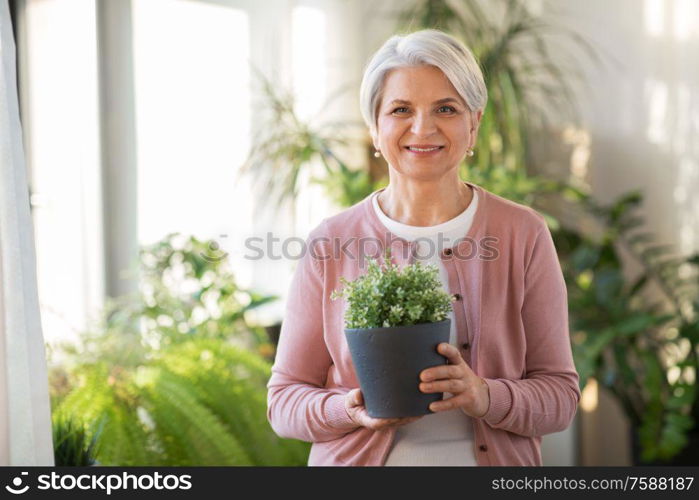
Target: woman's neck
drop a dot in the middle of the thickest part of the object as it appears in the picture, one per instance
(424, 204)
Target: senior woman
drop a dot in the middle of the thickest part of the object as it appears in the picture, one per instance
(510, 376)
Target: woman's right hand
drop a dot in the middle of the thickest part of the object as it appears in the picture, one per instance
(354, 403)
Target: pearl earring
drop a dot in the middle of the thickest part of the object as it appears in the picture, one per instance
(377, 154)
(469, 152)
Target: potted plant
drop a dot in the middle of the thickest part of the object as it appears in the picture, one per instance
(394, 321)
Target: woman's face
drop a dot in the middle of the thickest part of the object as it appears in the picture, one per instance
(424, 127)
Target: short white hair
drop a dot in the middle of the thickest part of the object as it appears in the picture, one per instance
(422, 48)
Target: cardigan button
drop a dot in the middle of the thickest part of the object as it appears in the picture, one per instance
(483, 447)
(466, 345)
(457, 296)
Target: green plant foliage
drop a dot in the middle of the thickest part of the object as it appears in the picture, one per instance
(184, 292)
(390, 296)
(286, 145)
(629, 345)
(175, 375)
(71, 444)
(346, 186)
(187, 288)
(200, 402)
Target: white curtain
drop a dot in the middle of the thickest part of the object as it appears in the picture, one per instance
(25, 412)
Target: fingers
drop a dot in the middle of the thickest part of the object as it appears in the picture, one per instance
(450, 352)
(359, 397)
(442, 372)
(457, 367)
(354, 398)
(354, 406)
(456, 401)
(354, 402)
(442, 405)
(453, 385)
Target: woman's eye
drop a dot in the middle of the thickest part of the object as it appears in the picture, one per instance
(446, 109)
(401, 110)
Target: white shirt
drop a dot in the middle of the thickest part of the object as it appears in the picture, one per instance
(443, 438)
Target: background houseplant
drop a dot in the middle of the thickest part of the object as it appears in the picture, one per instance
(73, 444)
(395, 319)
(175, 375)
(287, 145)
(636, 335)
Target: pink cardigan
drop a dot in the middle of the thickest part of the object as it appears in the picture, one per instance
(511, 317)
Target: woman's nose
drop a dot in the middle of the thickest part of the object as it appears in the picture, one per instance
(423, 124)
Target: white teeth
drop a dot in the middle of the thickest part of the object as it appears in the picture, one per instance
(423, 149)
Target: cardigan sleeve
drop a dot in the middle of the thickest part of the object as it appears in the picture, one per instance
(546, 399)
(298, 405)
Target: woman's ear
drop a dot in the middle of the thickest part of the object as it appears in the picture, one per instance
(475, 125)
(375, 140)
(476, 121)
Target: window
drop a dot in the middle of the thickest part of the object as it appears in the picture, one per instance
(193, 111)
(58, 65)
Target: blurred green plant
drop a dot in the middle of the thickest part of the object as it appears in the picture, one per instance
(644, 351)
(346, 186)
(286, 147)
(175, 375)
(71, 444)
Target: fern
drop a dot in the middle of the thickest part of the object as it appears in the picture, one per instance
(155, 386)
(230, 383)
(201, 436)
(204, 402)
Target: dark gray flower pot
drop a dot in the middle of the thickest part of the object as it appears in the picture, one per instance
(388, 362)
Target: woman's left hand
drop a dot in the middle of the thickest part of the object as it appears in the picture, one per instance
(470, 392)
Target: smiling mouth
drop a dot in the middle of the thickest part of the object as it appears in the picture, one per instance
(423, 149)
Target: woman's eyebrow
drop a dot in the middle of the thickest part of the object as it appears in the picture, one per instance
(439, 101)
